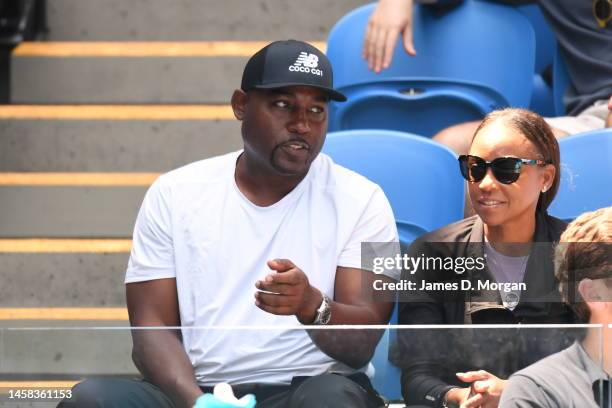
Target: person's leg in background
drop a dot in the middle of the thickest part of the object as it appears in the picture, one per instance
(116, 393)
(458, 137)
(592, 118)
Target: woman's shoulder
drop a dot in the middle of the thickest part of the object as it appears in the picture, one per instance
(551, 227)
(458, 231)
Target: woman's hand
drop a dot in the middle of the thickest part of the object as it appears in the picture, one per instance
(485, 391)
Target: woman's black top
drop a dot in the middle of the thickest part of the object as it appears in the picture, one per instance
(430, 358)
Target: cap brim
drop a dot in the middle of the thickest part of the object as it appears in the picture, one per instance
(332, 93)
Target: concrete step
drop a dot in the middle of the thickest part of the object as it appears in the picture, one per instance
(85, 73)
(70, 351)
(69, 211)
(179, 20)
(61, 280)
(85, 145)
(85, 80)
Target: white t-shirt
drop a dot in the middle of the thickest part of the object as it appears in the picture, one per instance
(196, 226)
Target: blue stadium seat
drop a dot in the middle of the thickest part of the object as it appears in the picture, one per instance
(586, 174)
(542, 100)
(422, 182)
(471, 59)
(546, 42)
(561, 81)
(420, 177)
(386, 375)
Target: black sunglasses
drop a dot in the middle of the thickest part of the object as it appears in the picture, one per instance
(602, 10)
(505, 169)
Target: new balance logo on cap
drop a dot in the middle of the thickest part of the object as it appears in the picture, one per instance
(307, 60)
(307, 63)
(290, 63)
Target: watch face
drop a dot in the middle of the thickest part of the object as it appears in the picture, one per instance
(326, 315)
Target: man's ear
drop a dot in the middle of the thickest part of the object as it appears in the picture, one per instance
(587, 290)
(239, 102)
(590, 294)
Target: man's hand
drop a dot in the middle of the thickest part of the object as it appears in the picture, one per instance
(609, 120)
(390, 18)
(291, 292)
(485, 391)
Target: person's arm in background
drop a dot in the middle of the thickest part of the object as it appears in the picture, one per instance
(524, 392)
(390, 19)
(609, 121)
(159, 354)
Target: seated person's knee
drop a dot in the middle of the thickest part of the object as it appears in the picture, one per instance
(101, 393)
(328, 390)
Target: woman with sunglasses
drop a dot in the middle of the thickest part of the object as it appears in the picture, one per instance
(512, 171)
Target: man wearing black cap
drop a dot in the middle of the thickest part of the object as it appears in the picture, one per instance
(268, 238)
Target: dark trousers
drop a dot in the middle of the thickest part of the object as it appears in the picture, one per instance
(327, 390)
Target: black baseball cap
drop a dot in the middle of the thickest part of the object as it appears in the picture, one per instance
(290, 63)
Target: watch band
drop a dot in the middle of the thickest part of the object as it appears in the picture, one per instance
(323, 314)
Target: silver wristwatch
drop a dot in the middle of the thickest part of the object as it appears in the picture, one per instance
(323, 314)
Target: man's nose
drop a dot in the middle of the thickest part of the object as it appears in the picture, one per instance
(299, 122)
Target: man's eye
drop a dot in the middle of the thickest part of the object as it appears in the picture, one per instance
(281, 104)
(317, 109)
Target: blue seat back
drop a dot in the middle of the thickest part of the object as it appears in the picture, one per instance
(542, 100)
(472, 58)
(546, 42)
(586, 174)
(386, 375)
(420, 177)
(477, 42)
(561, 82)
(420, 106)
